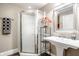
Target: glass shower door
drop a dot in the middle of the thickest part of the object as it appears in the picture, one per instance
(28, 31)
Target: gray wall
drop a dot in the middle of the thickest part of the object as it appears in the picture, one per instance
(8, 42)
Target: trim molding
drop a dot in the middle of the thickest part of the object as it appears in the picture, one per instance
(9, 52)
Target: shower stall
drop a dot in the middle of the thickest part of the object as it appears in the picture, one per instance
(29, 32)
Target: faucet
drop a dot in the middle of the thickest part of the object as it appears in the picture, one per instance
(73, 37)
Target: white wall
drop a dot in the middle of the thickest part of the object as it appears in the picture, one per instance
(77, 22)
(47, 8)
(39, 17)
(50, 15)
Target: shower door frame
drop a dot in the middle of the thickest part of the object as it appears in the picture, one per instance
(21, 36)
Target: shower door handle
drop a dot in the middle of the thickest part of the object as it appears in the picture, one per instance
(36, 44)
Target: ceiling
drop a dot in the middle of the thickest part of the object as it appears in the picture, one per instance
(33, 5)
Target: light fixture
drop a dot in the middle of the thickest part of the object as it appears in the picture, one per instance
(29, 7)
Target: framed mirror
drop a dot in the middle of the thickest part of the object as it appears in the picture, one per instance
(65, 18)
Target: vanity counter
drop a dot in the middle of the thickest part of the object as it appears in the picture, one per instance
(62, 43)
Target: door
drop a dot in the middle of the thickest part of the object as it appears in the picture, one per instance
(28, 22)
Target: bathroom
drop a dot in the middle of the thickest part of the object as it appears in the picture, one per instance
(39, 29)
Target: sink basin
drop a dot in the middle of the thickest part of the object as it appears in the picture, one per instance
(61, 40)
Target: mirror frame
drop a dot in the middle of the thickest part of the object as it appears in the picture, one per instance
(58, 10)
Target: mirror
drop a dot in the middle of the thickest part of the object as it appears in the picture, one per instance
(65, 21)
(65, 18)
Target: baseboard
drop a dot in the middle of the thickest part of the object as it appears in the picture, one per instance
(9, 52)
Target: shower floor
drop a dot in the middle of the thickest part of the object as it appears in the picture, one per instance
(28, 54)
(45, 54)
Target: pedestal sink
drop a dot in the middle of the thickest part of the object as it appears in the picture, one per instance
(62, 43)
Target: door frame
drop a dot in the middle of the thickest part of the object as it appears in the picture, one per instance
(21, 34)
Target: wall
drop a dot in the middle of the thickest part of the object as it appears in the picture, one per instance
(47, 7)
(77, 21)
(8, 42)
(38, 17)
